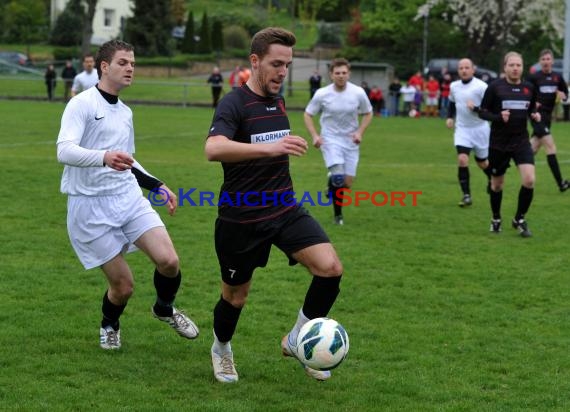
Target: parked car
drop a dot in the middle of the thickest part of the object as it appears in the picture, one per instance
(435, 66)
(15, 58)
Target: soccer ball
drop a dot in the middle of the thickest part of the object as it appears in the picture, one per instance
(413, 113)
(322, 344)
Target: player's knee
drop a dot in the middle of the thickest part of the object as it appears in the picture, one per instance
(528, 181)
(463, 160)
(168, 264)
(330, 268)
(121, 292)
(236, 297)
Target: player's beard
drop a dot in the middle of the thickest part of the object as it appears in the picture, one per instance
(264, 83)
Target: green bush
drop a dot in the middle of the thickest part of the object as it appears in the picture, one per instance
(66, 53)
(236, 37)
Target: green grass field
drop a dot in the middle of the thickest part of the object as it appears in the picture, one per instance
(442, 315)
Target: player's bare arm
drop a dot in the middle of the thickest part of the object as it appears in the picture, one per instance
(172, 200)
(310, 125)
(220, 148)
(366, 120)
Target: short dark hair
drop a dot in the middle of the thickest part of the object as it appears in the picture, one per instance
(108, 50)
(271, 35)
(338, 62)
(545, 51)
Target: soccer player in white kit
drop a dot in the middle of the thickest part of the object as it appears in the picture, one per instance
(87, 78)
(107, 212)
(471, 132)
(340, 104)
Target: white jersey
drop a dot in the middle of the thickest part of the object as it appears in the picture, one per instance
(340, 111)
(460, 93)
(84, 81)
(90, 126)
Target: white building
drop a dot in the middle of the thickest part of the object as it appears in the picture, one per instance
(107, 19)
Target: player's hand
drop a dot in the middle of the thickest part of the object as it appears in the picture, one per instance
(317, 141)
(470, 104)
(172, 203)
(292, 145)
(449, 123)
(536, 116)
(356, 137)
(505, 114)
(562, 96)
(118, 160)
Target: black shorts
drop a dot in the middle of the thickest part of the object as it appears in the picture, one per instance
(499, 159)
(241, 248)
(542, 128)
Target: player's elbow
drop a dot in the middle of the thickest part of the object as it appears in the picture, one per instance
(62, 153)
(214, 149)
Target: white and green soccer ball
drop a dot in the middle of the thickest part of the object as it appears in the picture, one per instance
(322, 344)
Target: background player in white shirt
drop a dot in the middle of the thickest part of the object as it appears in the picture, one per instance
(340, 104)
(471, 132)
(107, 213)
(87, 78)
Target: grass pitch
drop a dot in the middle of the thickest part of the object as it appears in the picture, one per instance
(442, 315)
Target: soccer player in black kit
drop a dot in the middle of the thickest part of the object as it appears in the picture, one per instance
(549, 85)
(507, 103)
(250, 136)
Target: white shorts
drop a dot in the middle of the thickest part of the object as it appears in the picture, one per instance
(476, 138)
(334, 154)
(431, 101)
(101, 227)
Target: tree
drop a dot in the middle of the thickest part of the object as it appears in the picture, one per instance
(217, 36)
(67, 30)
(188, 42)
(87, 25)
(205, 42)
(24, 21)
(497, 25)
(150, 27)
(178, 10)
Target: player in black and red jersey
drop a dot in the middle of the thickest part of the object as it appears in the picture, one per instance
(250, 136)
(508, 103)
(550, 85)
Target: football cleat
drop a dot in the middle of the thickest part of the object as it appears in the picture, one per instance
(288, 351)
(109, 338)
(338, 220)
(224, 367)
(495, 226)
(522, 227)
(181, 323)
(564, 186)
(465, 201)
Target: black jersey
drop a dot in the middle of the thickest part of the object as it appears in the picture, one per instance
(259, 189)
(520, 100)
(547, 84)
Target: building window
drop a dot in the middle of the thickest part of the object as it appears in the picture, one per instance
(109, 17)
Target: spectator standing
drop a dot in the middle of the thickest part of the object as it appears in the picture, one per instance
(234, 78)
(67, 75)
(376, 100)
(444, 91)
(50, 80)
(216, 81)
(315, 82)
(432, 96)
(408, 93)
(394, 92)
